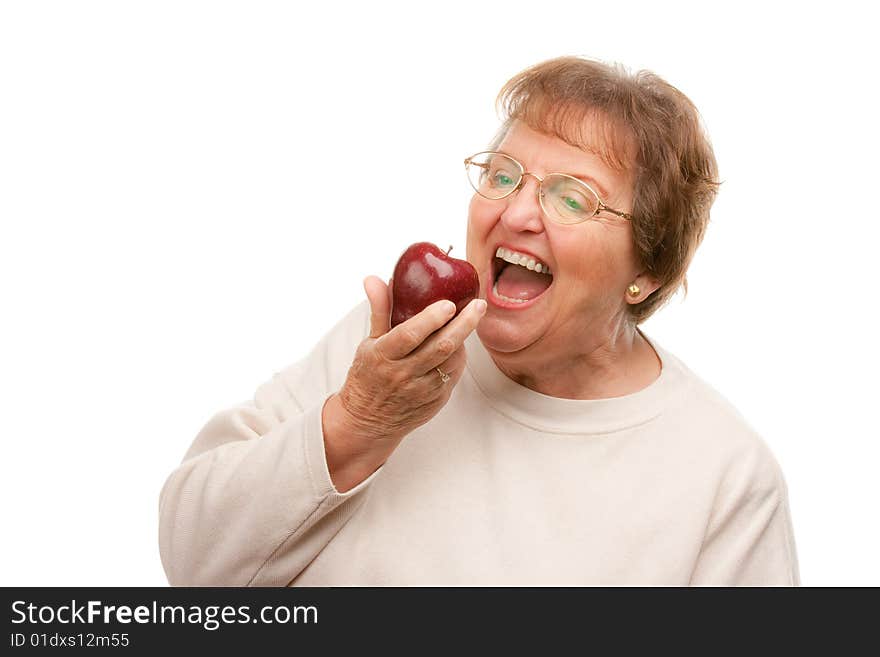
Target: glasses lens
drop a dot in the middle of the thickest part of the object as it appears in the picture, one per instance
(568, 200)
(493, 175)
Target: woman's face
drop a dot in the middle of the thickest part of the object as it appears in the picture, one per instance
(591, 263)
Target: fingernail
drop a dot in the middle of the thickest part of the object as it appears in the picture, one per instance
(481, 306)
(449, 307)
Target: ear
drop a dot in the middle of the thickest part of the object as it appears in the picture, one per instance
(647, 285)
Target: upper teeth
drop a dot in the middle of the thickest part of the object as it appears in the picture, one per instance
(521, 259)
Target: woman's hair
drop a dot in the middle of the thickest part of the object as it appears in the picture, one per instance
(638, 123)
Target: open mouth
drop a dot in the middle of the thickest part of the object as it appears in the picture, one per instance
(518, 279)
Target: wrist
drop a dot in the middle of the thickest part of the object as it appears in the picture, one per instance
(352, 454)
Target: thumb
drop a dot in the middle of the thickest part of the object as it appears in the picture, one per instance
(380, 305)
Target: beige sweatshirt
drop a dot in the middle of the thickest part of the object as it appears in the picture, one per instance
(505, 486)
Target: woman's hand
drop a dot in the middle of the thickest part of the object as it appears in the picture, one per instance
(393, 385)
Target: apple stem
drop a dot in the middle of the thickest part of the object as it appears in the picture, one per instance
(449, 249)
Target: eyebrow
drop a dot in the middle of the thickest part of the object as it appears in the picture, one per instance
(592, 182)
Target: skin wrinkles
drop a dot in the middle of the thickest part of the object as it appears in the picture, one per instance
(575, 341)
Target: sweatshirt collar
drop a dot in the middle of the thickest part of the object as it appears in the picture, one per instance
(577, 416)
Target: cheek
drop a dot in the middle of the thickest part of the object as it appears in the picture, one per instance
(480, 221)
(594, 258)
(482, 214)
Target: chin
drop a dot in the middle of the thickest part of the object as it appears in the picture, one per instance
(500, 336)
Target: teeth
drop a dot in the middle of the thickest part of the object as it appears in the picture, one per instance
(523, 260)
(501, 296)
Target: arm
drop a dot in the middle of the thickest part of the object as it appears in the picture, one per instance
(253, 502)
(268, 484)
(750, 539)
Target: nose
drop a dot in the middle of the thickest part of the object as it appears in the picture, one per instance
(523, 212)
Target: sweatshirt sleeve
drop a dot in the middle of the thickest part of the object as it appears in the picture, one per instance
(252, 503)
(750, 540)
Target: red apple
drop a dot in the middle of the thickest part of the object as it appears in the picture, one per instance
(425, 274)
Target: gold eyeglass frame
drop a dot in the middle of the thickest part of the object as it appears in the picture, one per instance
(523, 173)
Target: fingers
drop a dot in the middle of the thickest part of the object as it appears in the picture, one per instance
(406, 337)
(390, 293)
(379, 296)
(450, 339)
(453, 366)
(387, 391)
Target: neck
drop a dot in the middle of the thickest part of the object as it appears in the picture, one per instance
(619, 363)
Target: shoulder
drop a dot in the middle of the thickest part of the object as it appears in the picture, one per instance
(719, 436)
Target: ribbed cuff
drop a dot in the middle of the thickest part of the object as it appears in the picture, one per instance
(316, 458)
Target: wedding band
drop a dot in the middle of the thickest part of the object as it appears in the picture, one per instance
(443, 375)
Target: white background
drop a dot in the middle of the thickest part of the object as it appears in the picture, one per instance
(191, 194)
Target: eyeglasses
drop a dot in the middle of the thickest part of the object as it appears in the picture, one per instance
(563, 198)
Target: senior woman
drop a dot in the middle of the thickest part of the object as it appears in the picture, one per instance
(537, 438)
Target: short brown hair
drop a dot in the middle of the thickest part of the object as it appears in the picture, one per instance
(646, 125)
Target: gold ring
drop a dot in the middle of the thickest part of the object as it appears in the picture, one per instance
(443, 375)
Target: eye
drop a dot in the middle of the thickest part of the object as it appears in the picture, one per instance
(503, 180)
(572, 204)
